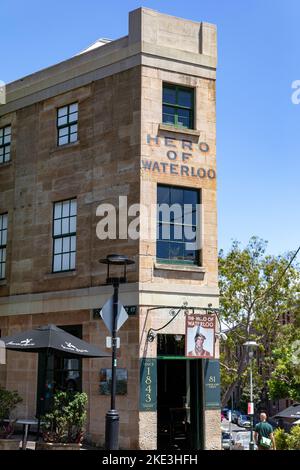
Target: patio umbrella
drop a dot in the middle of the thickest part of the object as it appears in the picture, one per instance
(292, 411)
(49, 339)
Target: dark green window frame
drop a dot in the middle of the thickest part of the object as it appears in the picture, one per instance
(187, 258)
(67, 124)
(176, 109)
(5, 141)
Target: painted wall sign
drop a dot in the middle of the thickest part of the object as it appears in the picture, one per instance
(148, 384)
(212, 384)
(178, 159)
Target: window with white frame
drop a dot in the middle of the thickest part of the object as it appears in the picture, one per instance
(67, 124)
(5, 141)
(3, 241)
(64, 235)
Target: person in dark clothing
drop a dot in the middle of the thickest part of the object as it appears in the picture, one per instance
(263, 434)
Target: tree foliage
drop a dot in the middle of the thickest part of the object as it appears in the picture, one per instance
(255, 291)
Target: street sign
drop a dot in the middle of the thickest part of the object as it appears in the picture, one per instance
(148, 384)
(250, 408)
(109, 342)
(107, 315)
(212, 384)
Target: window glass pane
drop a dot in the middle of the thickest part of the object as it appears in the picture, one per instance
(62, 111)
(1, 151)
(190, 196)
(165, 231)
(73, 107)
(57, 245)
(183, 118)
(176, 251)
(65, 263)
(73, 209)
(3, 254)
(7, 154)
(189, 233)
(57, 210)
(176, 232)
(73, 243)
(162, 250)
(66, 209)
(63, 140)
(73, 128)
(65, 226)
(73, 117)
(185, 98)
(66, 244)
(57, 263)
(4, 221)
(2, 270)
(176, 196)
(57, 227)
(169, 95)
(63, 131)
(62, 120)
(1, 133)
(72, 260)
(73, 137)
(4, 237)
(190, 255)
(73, 224)
(168, 115)
(6, 139)
(7, 130)
(163, 194)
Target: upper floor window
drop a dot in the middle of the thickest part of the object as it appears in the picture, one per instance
(67, 124)
(64, 235)
(5, 140)
(178, 106)
(3, 241)
(177, 225)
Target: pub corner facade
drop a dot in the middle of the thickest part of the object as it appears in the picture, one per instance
(129, 121)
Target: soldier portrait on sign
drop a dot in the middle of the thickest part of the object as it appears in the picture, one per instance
(200, 336)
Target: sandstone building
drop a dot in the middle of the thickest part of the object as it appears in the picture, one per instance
(129, 121)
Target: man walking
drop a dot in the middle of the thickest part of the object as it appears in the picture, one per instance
(263, 434)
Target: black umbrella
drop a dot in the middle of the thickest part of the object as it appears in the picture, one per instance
(292, 411)
(50, 338)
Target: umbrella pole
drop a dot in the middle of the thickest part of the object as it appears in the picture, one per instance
(43, 397)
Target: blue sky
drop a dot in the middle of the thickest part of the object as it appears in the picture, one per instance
(258, 127)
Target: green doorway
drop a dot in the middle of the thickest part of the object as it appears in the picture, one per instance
(179, 397)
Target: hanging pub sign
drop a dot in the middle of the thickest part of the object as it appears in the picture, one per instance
(200, 336)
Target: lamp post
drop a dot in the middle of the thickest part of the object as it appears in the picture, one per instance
(250, 347)
(112, 416)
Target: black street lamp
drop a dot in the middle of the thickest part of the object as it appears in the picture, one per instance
(112, 416)
(250, 347)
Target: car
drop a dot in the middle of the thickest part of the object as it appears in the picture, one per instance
(234, 416)
(225, 412)
(242, 441)
(227, 440)
(244, 421)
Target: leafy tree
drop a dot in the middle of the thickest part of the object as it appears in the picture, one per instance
(285, 378)
(256, 289)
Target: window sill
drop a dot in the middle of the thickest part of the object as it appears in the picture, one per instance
(57, 148)
(178, 130)
(179, 267)
(3, 282)
(5, 164)
(60, 274)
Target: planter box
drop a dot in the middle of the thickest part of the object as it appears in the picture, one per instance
(10, 444)
(57, 446)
